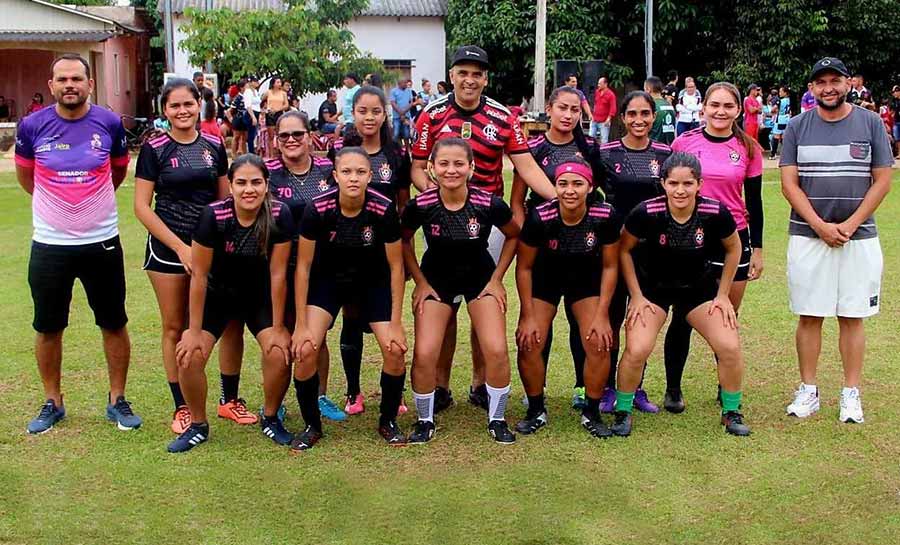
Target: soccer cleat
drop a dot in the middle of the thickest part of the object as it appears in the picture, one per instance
(595, 426)
(674, 401)
(273, 428)
(851, 407)
(193, 436)
(531, 425)
(806, 402)
(236, 410)
(608, 400)
(578, 398)
(443, 399)
(734, 424)
(423, 432)
(120, 412)
(479, 396)
(45, 420)
(643, 403)
(622, 424)
(181, 420)
(499, 431)
(402, 409)
(354, 404)
(306, 440)
(392, 434)
(331, 411)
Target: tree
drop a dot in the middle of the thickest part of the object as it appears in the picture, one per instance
(307, 42)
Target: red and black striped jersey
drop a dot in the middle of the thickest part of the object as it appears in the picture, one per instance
(491, 129)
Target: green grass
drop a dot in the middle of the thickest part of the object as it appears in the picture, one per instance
(678, 479)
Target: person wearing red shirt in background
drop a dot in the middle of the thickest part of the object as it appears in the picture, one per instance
(751, 112)
(604, 110)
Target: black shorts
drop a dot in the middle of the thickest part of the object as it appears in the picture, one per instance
(743, 269)
(160, 258)
(223, 306)
(370, 303)
(682, 300)
(52, 271)
(551, 284)
(454, 289)
(272, 118)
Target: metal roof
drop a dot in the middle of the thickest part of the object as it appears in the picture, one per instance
(377, 8)
(56, 35)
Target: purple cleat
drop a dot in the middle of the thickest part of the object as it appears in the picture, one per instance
(608, 400)
(643, 403)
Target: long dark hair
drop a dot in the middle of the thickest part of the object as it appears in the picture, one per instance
(633, 95)
(209, 105)
(577, 131)
(264, 224)
(745, 138)
(177, 83)
(385, 134)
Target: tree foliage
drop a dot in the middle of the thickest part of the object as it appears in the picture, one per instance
(307, 42)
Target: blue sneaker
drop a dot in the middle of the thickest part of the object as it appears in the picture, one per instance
(195, 435)
(121, 414)
(331, 411)
(274, 430)
(50, 414)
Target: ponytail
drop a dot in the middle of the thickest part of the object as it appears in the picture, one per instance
(749, 143)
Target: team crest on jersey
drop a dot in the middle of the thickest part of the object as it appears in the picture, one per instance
(208, 158)
(368, 234)
(385, 172)
(490, 132)
(590, 239)
(734, 156)
(654, 167)
(466, 130)
(323, 185)
(698, 236)
(473, 227)
(96, 142)
(662, 239)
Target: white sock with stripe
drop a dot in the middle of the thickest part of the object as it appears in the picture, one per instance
(497, 401)
(425, 405)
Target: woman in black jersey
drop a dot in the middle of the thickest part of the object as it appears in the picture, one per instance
(240, 253)
(564, 141)
(677, 234)
(569, 248)
(457, 221)
(391, 178)
(349, 257)
(184, 171)
(237, 116)
(629, 174)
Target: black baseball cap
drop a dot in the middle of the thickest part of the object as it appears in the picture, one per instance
(470, 53)
(829, 63)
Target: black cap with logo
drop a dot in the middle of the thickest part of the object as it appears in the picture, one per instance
(470, 53)
(829, 63)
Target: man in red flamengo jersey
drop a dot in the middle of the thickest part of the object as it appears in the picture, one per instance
(491, 130)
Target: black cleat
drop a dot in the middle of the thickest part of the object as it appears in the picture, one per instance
(423, 432)
(532, 424)
(622, 424)
(273, 428)
(499, 431)
(306, 440)
(674, 401)
(479, 396)
(392, 434)
(595, 426)
(443, 399)
(734, 424)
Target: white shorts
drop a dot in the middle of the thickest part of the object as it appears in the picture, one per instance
(826, 282)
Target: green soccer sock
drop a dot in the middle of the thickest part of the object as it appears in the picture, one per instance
(624, 401)
(731, 401)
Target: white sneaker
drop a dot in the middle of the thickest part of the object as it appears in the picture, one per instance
(806, 402)
(851, 406)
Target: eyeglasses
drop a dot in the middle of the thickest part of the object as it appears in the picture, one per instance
(297, 135)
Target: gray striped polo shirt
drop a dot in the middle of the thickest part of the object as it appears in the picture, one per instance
(835, 161)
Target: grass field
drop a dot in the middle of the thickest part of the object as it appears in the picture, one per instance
(678, 479)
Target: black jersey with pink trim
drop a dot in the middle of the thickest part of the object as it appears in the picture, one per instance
(391, 169)
(549, 156)
(351, 249)
(677, 255)
(185, 178)
(629, 177)
(457, 239)
(571, 246)
(239, 265)
(295, 190)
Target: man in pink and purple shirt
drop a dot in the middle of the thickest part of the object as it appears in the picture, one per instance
(71, 158)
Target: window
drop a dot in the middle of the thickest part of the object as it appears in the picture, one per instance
(401, 67)
(116, 71)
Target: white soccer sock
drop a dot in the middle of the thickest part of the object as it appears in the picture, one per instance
(497, 401)
(425, 405)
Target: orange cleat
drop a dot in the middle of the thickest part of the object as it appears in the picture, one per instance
(181, 420)
(236, 410)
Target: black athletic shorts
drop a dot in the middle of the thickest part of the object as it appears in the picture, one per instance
(455, 289)
(550, 284)
(743, 269)
(682, 300)
(369, 303)
(272, 118)
(223, 306)
(160, 258)
(52, 271)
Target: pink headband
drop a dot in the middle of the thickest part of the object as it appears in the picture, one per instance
(575, 168)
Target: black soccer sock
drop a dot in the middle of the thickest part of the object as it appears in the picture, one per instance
(677, 346)
(177, 396)
(351, 353)
(613, 365)
(391, 394)
(576, 347)
(592, 409)
(308, 399)
(230, 385)
(535, 405)
(545, 353)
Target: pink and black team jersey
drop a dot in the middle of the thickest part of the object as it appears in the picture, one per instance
(351, 250)
(457, 239)
(726, 165)
(390, 170)
(677, 255)
(490, 129)
(549, 155)
(185, 178)
(296, 190)
(74, 198)
(628, 177)
(570, 248)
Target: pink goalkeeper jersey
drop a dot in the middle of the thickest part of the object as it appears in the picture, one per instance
(74, 200)
(725, 166)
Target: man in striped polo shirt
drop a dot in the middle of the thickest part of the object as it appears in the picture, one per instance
(835, 171)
